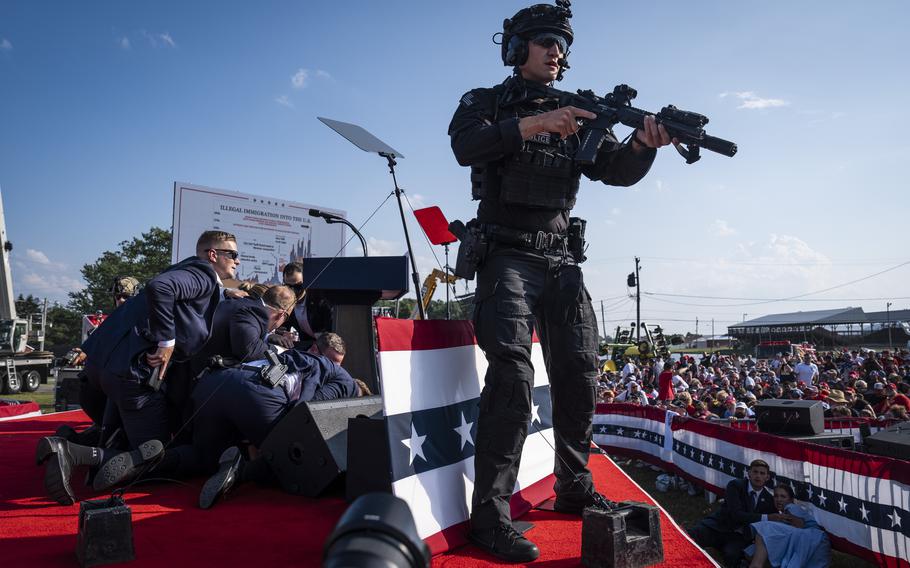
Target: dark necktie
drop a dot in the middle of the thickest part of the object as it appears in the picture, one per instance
(754, 500)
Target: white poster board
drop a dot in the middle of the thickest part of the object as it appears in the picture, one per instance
(270, 232)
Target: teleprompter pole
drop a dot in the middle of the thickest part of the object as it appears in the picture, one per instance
(414, 275)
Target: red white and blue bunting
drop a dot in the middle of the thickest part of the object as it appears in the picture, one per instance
(862, 501)
(432, 372)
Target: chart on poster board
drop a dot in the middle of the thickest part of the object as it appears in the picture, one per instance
(270, 231)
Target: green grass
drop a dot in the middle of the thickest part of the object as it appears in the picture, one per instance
(44, 396)
(687, 511)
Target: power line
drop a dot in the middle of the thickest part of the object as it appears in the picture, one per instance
(773, 299)
(714, 262)
(787, 299)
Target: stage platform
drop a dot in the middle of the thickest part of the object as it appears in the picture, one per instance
(255, 526)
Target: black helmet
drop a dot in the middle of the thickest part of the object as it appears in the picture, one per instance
(530, 21)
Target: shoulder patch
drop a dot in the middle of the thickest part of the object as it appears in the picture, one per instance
(468, 99)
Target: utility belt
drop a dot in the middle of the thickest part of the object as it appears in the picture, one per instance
(475, 239)
(539, 240)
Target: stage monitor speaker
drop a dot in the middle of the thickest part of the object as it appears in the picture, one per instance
(369, 462)
(893, 442)
(790, 417)
(307, 449)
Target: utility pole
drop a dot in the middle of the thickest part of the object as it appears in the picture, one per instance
(637, 303)
(696, 327)
(603, 319)
(888, 312)
(713, 339)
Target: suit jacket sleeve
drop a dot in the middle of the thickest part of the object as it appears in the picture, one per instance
(338, 384)
(168, 288)
(735, 504)
(248, 335)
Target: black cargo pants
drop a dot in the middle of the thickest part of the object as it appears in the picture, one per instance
(519, 291)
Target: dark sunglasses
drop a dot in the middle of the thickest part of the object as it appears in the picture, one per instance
(547, 40)
(227, 252)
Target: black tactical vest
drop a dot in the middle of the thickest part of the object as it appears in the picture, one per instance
(542, 174)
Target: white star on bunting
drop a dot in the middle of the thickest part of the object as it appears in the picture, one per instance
(464, 431)
(415, 444)
(842, 505)
(863, 511)
(895, 519)
(822, 498)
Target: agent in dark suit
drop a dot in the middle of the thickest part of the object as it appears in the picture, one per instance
(746, 501)
(240, 329)
(235, 404)
(311, 314)
(172, 316)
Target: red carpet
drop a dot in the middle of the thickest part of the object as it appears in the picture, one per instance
(254, 527)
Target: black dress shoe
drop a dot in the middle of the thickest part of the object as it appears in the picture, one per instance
(220, 483)
(60, 463)
(125, 466)
(506, 543)
(577, 506)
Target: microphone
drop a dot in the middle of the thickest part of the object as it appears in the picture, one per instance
(332, 219)
(323, 214)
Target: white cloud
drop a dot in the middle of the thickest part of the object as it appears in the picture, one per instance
(380, 247)
(283, 100)
(749, 100)
(615, 211)
(418, 200)
(159, 39)
(35, 273)
(719, 228)
(51, 285)
(5, 45)
(124, 42)
(303, 77)
(37, 256)
(299, 79)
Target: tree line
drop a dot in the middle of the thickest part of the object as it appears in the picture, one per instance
(143, 257)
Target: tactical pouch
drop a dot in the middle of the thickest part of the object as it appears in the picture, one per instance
(472, 248)
(576, 237)
(539, 180)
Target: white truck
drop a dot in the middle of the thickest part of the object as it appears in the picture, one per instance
(24, 364)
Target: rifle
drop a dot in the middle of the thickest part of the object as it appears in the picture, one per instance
(686, 126)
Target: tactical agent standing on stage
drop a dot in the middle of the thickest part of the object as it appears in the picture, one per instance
(519, 144)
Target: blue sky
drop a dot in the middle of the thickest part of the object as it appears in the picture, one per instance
(103, 105)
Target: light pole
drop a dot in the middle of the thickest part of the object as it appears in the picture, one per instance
(888, 312)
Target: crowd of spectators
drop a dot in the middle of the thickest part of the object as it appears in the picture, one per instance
(861, 383)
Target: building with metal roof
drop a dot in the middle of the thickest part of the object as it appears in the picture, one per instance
(840, 326)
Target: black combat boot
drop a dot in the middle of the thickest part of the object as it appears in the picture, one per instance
(506, 543)
(62, 457)
(577, 506)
